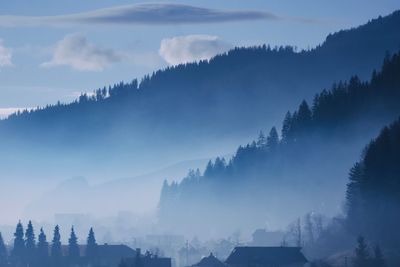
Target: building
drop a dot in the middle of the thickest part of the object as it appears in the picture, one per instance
(210, 261)
(266, 257)
(146, 260)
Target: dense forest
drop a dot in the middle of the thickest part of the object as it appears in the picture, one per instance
(190, 105)
(308, 158)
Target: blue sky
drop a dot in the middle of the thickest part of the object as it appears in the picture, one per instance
(79, 48)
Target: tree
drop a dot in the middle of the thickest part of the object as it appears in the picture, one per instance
(19, 243)
(42, 246)
(296, 233)
(56, 251)
(272, 139)
(361, 253)
(287, 128)
(261, 142)
(378, 260)
(91, 246)
(3, 252)
(309, 228)
(30, 243)
(73, 247)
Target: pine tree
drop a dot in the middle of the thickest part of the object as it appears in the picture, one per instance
(91, 246)
(30, 243)
(3, 252)
(56, 251)
(379, 260)
(361, 253)
(42, 246)
(19, 243)
(73, 247)
(261, 142)
(273, 139)
(287, 128)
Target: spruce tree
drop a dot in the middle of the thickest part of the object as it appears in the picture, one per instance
(261, 142)
(73, 247)
(30, 243)
(3, 252)
(287, 134)
(19, 243)
(361, 253)
(272, 139)
(91, 246)
(56, 251)
(379, 260)
(42, 246)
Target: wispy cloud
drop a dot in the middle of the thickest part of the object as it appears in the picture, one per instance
(182, 49)
(155, 13)
(76, 52)
(5, 55)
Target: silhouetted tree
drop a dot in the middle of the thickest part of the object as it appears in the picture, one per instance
(361, 253)
(272, 139)
(261, 142)
(42, 246)
(73, 247)
(3, 252)
(18, 251)
(287, 128)
(56, 251)
(91, 246)
(378, 260)
(30, 243)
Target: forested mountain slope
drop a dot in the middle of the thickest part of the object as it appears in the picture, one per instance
(194, 105)
(277, 178)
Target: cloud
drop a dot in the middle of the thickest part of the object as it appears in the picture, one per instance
(155, 13)
(182, 49)
(75, 51)
(5, 55)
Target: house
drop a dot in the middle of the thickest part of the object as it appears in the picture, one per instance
(210, 261)
(266, 257)
(146, 260)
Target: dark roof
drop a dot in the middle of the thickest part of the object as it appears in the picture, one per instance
(265, 256)
(210, 261)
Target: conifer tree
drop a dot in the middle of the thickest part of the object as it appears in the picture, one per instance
(91, 246)
(272, 139)
(19, 243)
(379, 260)
(361, 253)
(42, 246)
(287, 128)
(73, 247)
(261, 142)
(3, 252)
(56, 251)
(30, 243)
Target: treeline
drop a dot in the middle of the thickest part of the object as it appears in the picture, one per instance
(304, 155)
(373, 192)
(231, 92)
(27, 251)
(331, 114)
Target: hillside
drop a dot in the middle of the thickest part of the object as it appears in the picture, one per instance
(204, 107)
(302, 170)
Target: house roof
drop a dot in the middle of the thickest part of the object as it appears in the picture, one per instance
(210, 261)
(265, 256)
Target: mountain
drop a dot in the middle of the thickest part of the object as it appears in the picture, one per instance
(275, 179)
(194, 109)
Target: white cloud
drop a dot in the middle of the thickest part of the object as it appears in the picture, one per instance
(182, 49)
(5, 55)
(75, 51)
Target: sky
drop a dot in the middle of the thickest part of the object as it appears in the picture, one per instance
(55, 50)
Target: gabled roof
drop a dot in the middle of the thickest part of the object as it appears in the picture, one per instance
(265, 256)
(210, 261)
